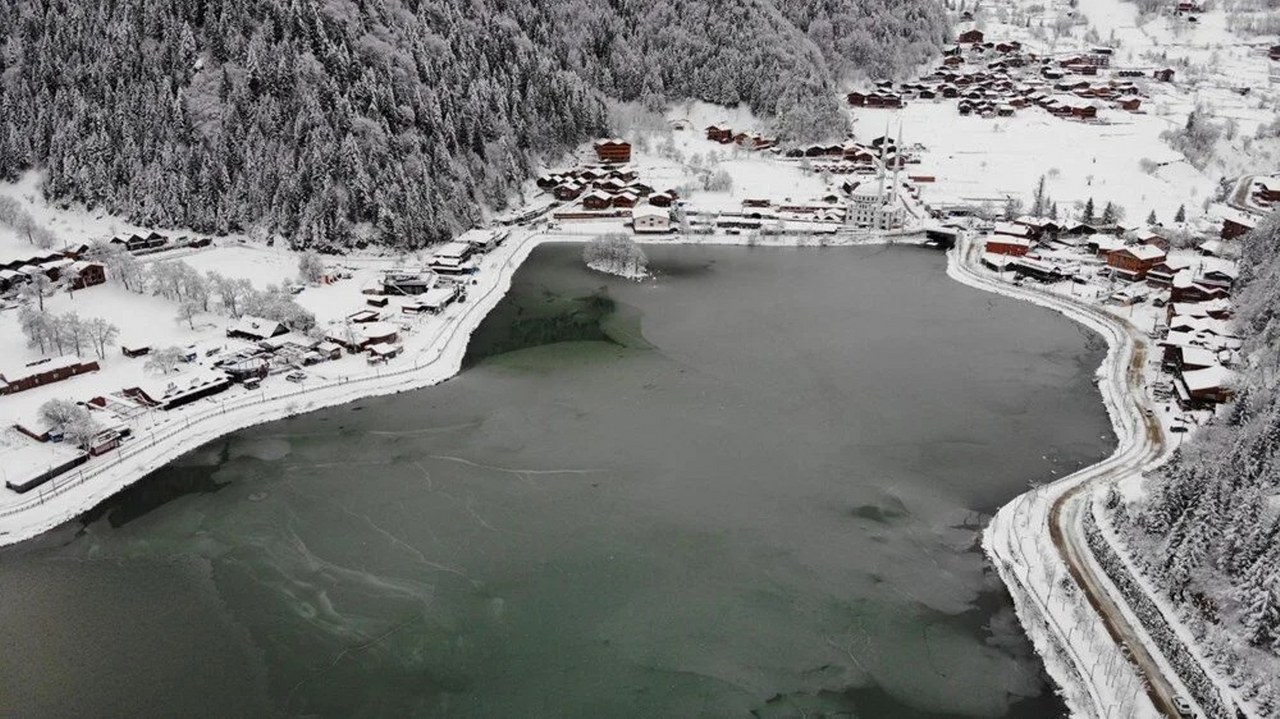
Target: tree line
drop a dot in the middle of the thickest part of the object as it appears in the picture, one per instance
(341, 122)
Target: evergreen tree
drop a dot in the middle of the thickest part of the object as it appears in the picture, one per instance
(1110, 214)
(1038, 199)
(1088, 211)
(1262, 614)
(1151, 219)
(1181, 215)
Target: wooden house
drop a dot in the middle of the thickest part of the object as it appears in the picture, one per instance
(1133, 262)
(567, 192)
(666, 198)
(1130, 103)
(1233, 227)
(1148, 236)
(1163, 273)
(1008, 245)
(88, 274)
(43, 372)
(720, 133)
(597, 200)
(256, 329)
(970, 36)
(1204, 388)
(1266, 189)
(613, 150)
(175, 390)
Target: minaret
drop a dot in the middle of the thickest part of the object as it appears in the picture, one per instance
(897, 164)
(885, 141)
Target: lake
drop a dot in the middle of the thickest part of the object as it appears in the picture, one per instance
(750, 486)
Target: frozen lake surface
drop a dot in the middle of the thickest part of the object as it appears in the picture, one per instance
(752, 484)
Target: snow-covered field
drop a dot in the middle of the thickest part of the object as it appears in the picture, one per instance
(977, 159)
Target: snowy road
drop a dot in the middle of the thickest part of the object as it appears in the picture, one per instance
(1082, 649)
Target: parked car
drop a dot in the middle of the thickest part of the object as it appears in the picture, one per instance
(1184, 707)
(296, 376)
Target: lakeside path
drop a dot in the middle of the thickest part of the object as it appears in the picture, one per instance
(1036, 542)
(431, 356)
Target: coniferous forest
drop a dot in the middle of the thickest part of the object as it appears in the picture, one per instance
(330, 122)
(1208, 530)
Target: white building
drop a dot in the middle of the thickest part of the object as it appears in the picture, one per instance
(648, 219)
(869, 209)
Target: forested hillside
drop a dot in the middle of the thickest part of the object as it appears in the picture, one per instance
(1210, 527)
(331, 121)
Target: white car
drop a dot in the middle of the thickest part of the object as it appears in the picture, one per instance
(1184, 707)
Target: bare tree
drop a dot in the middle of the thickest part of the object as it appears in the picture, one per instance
(231, 291)
(101, 333)
(82, 431)
(59, 412)
(39, 286)
(187, 310)
(13, 215)
(74, 331)
(37, 326)
(164, 360)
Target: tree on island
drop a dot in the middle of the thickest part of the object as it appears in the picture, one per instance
(616, 254)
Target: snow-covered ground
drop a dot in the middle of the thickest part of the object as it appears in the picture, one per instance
(978, 159)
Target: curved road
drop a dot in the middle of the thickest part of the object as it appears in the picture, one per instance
(1142, 442)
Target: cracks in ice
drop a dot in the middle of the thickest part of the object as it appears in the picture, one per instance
(393, 539)
(424, 430)
(523, 474)
(357, 649)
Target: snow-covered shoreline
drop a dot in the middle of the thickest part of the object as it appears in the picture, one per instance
(1096, 678)
(438, 361)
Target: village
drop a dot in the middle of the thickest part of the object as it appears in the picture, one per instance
(107, 382)
(1180, 297)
